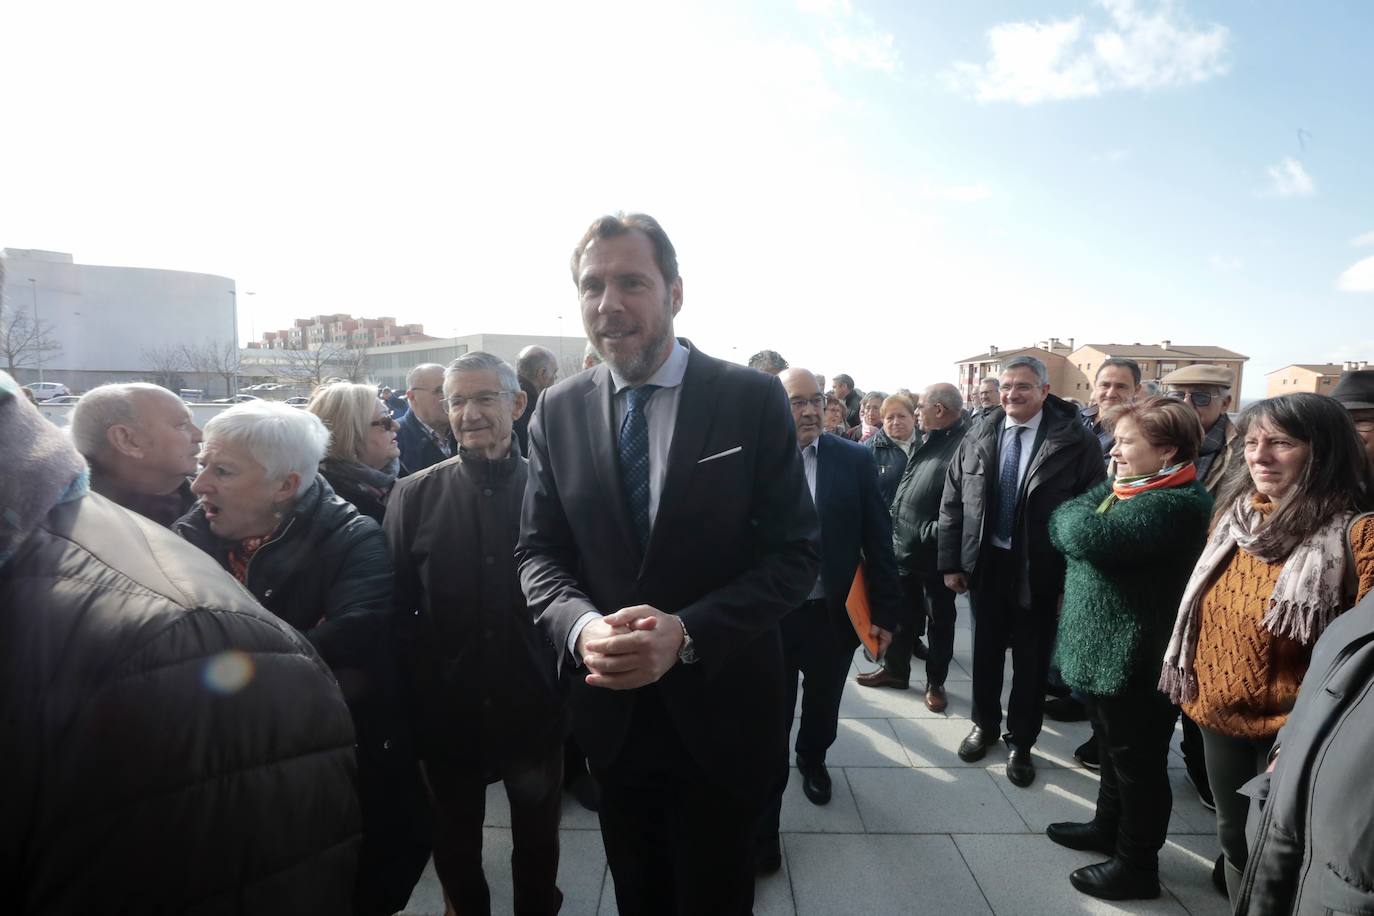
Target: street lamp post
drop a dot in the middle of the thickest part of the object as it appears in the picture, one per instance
(37, 332)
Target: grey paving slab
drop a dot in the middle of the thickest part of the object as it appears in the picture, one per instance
(934, 742)
(1185, 868)
(931, 801)
(575, 817)
(866, 743)
(1058, 794)
(1189, 814)
(879, 875)
(1029, 876)
(799, 815)
(772, 895)
(581, 868)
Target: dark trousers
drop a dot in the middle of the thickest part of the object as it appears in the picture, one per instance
(459, 795)
(678, 842)
(1231, 763)
(812, 649)
(1194, 755)
(1001, 622)
(1133, 732)
(927, 607)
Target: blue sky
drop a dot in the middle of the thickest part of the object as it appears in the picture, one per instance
(877, 188)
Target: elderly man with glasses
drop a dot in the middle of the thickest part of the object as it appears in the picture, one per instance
(484, 681)
(423, 434)
(1208, 389)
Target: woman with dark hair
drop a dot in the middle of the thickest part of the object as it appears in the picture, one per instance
(1130, 544)
(1276, 570)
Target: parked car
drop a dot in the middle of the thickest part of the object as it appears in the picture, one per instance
(297, 402)
(43, 391)
(64, 399)
(236, 399)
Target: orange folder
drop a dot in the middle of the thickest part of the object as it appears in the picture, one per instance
(861, 612)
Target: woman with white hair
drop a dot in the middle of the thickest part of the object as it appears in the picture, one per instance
(268, 517)
(363, 460)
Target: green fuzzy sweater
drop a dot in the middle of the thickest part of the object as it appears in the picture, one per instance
(1127, 569)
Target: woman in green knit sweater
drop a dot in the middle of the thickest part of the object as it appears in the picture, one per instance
(1130, 544)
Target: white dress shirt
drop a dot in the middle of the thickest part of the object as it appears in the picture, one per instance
(661, 415)
(1032, 427)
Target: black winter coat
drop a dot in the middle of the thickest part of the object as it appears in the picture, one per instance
(1066, 462)
(484, 678)
(916, 505)
(141, 775)
(891, 461)
(327, 572)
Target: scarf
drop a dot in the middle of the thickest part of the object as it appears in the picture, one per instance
(355, 473)
(1124, 488)
(1212, 443)
(1306, 598)
(241, 554)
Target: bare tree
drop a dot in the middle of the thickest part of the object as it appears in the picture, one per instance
(23, 341)
(165, 365)
(199, 360)
(226, 360)
(312, 368)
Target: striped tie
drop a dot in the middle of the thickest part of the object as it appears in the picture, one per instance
(634, 458)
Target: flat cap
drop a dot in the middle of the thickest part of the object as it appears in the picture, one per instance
(1355, 390)
(1205, 374)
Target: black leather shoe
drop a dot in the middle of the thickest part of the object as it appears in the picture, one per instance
(767, 856)
(1115, 880)
(1020, 769)
(1087, 754)
(815, 781)
(1086, 837)
(976, 745)
(919, 650)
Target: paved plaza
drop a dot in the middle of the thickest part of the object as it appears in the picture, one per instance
(911, 829)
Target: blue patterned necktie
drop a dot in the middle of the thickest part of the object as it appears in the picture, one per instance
(634, 458)
(1006, 487)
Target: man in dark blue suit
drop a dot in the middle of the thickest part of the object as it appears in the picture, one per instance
(818, 640)
(423, 434)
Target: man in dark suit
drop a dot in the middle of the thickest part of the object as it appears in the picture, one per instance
(1011, 471)
(537, 369)
(423, 435)
(666, 530)
(818, 640)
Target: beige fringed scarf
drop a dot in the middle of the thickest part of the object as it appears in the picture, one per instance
(1307, 596)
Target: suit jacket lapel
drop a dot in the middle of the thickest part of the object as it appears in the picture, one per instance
(602, 436)
(696, 406)
(823, 478)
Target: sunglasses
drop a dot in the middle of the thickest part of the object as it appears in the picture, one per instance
(1199, 398)
(386, 423)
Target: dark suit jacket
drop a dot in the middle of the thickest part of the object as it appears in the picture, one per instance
(854, 523)
(734, 547)
(418, 451)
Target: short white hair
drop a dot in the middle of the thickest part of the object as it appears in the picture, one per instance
(280, 438)
(103, 407)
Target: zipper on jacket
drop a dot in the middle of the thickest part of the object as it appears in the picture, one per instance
(248, 570)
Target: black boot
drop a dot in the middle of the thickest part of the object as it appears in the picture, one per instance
(1088, 837)
(1115, 880)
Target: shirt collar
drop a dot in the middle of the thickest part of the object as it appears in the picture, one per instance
(1032, 424)
(668, 375)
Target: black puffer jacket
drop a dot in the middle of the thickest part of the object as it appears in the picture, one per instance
(327, 572)
(1066, 462)
(891, 461)
(916, 507)
(142, 774)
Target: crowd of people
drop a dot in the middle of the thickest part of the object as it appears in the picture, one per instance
(272, 666)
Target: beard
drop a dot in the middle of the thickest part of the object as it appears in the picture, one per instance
(636, 367)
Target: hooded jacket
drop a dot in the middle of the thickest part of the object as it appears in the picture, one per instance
(170, 746)
(1065, 463)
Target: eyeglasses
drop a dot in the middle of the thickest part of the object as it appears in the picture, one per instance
(386, 423)
(437, 392)
(1199, 398)
(485, 400)
(817, 402)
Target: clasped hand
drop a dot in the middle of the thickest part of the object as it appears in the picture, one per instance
(633, 647)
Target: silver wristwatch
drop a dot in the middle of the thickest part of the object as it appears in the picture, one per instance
(688, 653)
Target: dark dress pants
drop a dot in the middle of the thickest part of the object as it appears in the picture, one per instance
(1134, 800)
(813, 649)
(927, 609)
(459, 795)
(1001, 622)
(678, 842)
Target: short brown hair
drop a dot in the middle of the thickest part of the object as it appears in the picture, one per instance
(1163, 422)
(609, 227)
(894, 400)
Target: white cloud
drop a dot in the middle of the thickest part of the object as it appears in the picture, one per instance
(1361, 240)
(1035, 62)
(1291, 179)
(1225, 263)
(1358, 278)
(851, 37)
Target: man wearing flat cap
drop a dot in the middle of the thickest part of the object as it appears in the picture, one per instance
(1355, 392)
(1208, 389)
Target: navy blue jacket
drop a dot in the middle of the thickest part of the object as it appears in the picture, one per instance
(418, 450)
(854, 521)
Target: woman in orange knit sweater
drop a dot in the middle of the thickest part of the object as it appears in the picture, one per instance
(1274, 573)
